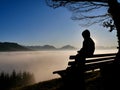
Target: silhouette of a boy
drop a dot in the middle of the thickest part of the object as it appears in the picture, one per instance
(75, 73)
(87, 50)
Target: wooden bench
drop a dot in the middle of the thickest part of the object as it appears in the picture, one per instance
(73, 80)
(96, 61)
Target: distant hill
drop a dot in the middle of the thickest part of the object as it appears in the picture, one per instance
(50, 47)
(8, 46)
(11, 46)
(67, 47)
(45, 47)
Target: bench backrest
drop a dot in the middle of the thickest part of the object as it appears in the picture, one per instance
(96, 61)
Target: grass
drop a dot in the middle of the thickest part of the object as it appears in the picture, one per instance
(93, 82)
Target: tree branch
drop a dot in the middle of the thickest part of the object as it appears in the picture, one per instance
(59, 3)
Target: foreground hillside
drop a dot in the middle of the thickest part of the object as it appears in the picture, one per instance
(93, 82)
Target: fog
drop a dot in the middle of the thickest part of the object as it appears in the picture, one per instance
(40, 63)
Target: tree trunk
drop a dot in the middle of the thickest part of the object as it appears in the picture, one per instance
(114, 10)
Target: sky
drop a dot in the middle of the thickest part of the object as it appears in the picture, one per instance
(32, 22)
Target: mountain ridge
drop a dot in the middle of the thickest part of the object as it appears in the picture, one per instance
(12, 46)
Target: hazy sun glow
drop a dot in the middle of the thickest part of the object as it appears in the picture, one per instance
(95, 40)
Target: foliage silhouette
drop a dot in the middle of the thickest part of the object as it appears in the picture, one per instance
(15, 79)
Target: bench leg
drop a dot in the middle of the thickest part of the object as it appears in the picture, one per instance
(74, 80)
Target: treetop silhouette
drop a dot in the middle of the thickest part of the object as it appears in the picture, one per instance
(83, 9)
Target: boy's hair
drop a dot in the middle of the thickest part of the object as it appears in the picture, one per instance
(86, 33)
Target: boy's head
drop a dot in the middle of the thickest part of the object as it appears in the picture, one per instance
(86, 33)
